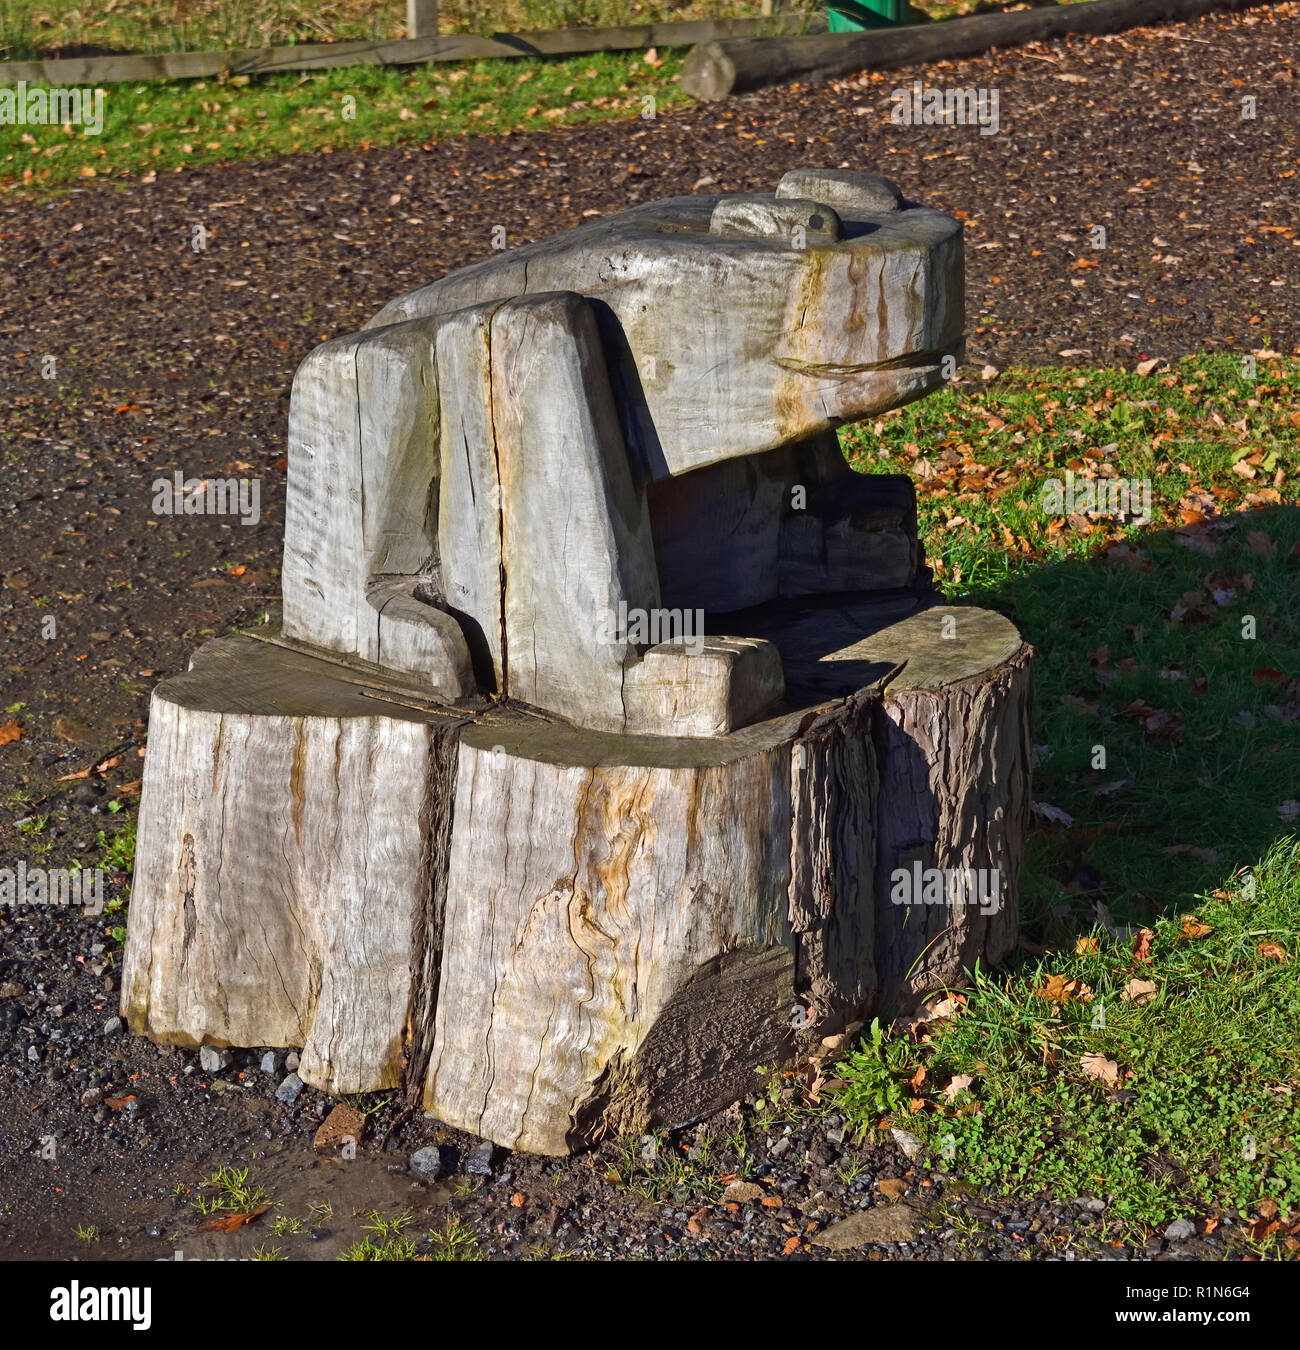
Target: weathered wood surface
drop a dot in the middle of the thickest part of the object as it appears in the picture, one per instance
(421, 18)
(551, 934)
(954, 752)
(609, 745)
(280, 866)
(398, 52)
(721, 67)
(489, 482)
(834, 329)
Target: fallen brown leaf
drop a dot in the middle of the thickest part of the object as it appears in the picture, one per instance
(229, 1223)
(1189, 926)
(1060, 990)
(1142, 945)
(1137, 992)
(949, 1005)
(1272, 951)
(1098, 1066)
(11, 731)
(960, 1082)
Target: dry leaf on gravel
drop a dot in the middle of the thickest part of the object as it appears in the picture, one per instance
(11, 731)
(229, 1223)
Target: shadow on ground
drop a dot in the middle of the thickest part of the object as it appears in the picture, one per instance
(1167, 717)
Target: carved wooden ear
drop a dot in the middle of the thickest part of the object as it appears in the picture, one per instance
(847, 191)
(798, 221)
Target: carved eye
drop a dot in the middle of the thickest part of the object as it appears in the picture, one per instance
(815, 222)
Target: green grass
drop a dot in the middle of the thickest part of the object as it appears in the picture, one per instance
(665, 1174)
(230, 1192)
(28, 27)
(454, 1241)
(1186, 798)
(1202, 1117)
(162, 128)
(119, 848)
(1140, 650)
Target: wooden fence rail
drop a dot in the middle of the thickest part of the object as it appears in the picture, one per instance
(397, 52)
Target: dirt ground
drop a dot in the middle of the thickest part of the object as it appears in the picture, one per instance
(166, 358)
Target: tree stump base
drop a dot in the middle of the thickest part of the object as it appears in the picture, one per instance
(549, 934)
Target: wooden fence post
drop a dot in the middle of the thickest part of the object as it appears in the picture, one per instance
(421, 18)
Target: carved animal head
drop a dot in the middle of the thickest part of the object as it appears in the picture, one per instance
(736, 324)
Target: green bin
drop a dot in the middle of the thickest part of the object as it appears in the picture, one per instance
(855, 16)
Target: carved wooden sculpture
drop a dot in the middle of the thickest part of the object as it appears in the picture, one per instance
(609, 709)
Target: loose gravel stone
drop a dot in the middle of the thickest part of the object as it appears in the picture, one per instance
(479, 1162)
(741, 1192)
(288, 1091)
(213, 1060)
(885, 1223)
(427, 1163)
